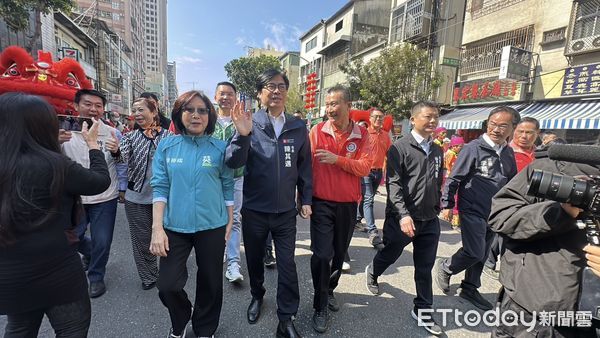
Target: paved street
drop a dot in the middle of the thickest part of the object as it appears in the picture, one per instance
(127, 310)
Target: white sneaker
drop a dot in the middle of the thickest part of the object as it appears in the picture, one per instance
(426, 321)
(182, 335)
(233, 274)
(346, 267)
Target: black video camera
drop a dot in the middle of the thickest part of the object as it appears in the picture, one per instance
(583, 194)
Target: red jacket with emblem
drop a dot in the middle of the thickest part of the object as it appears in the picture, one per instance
(340, 182)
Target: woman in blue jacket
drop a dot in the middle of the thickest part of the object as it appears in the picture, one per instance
(192, 208)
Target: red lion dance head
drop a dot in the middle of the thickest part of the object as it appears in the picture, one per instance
(57, 82)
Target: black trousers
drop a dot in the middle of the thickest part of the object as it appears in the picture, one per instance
(68, 321)
(331, 228)
(476, 238)
(255, 228)
(425, 244)
(496, 251)
(209, 246)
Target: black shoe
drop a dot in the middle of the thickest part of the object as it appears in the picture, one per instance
(476, 299)
(148, 286)
(358, 226)
(85, 261)
(371, 280)
(254, 310)
(332, 303)
(442, 278)
(269, 260)
(425, 320)
(375, 240)
(286, 329)
(320, 321)
(97, 289)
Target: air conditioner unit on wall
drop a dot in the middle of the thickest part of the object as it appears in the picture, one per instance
(584, 45)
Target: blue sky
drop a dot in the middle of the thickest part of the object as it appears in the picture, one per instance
(202, 37)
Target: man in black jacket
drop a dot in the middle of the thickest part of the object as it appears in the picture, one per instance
(541, 267)
(414, 179)
(483, 167)
(275, 149)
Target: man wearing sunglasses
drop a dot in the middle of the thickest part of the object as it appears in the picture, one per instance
(274, 147)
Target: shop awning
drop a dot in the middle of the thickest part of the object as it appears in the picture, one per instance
(471, 117)
(565, 114)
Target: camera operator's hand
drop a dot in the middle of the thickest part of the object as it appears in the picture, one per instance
(571, 210)
(593, 258)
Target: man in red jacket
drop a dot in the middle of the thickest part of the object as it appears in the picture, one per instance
(340, 150)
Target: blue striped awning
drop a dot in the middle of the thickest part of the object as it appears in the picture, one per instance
(471, 118)
(565, 114)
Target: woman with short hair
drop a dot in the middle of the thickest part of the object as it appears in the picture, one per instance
(192, 208)
(137, 151)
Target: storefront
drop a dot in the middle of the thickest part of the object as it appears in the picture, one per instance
(474, 100)
(574, 116)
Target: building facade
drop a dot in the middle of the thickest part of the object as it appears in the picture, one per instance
(173, 92)
(355, 29)
(73, 42)
(155, 46)
(436, 26)
(542, 62)
(309, 79)
(124, 18)
(44, 41)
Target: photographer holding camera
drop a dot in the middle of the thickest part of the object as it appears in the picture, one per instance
(541, 270)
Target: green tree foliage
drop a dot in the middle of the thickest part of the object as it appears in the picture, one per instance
(396, 79)
(16, 14)
(244, 71)
(294, 101)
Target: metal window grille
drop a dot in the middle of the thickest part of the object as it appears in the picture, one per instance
(481, 58)
(407, 20)
(335, 59)
(398, 24)
(587, 20)
(479, 8)
(414, 18)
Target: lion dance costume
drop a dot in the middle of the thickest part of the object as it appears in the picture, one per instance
(57, 82)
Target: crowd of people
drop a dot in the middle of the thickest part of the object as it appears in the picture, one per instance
(210, 177)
